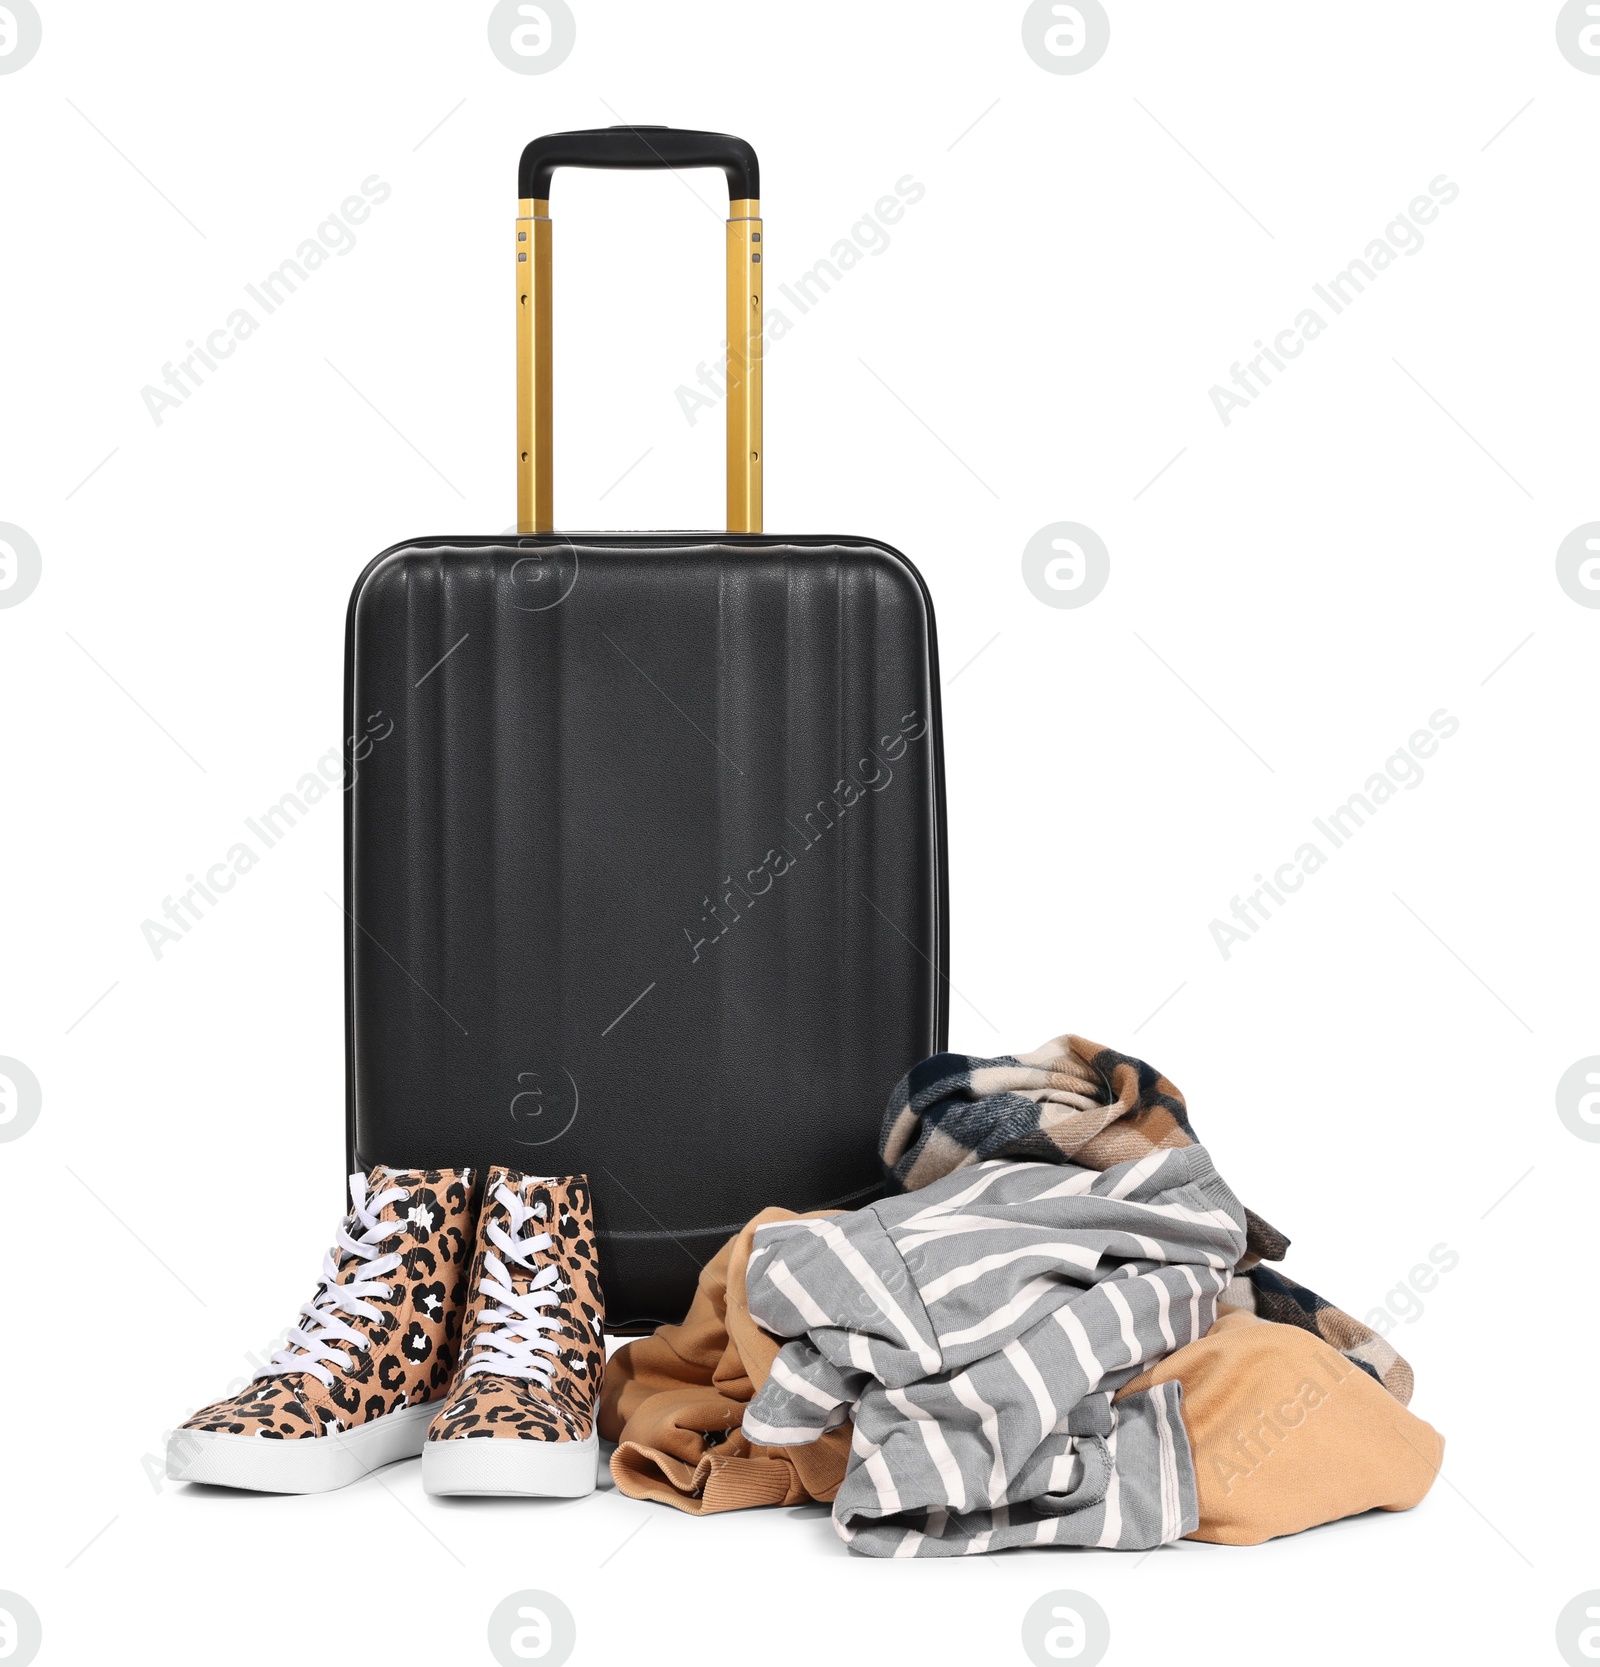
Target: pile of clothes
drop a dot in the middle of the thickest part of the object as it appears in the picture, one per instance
(1060, 1331)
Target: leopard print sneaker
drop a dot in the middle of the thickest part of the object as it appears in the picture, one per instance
(371, 1358)
(520, 1418)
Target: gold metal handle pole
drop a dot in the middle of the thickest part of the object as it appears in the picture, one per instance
(745, 268)
(535, 380)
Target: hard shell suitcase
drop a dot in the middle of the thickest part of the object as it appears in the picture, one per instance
(645, 853)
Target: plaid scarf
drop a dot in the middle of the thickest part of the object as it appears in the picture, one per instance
(1072, 1100)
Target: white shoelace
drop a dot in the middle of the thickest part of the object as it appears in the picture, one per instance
(344, 1289)
(519, 1347)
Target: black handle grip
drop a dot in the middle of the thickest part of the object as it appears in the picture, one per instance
(638, 147)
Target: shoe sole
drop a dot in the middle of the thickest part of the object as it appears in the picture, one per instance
(507, 1465)
(299, 1464)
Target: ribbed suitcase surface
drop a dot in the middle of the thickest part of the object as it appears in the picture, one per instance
(645, 876)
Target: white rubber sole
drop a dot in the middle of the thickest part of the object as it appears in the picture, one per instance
(301, 1464)
(505, 1465)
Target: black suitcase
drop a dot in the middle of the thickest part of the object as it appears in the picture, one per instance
(645, 852)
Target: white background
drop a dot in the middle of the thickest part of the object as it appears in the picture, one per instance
(1293, 597)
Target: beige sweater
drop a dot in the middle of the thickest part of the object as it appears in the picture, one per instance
(670, 1397)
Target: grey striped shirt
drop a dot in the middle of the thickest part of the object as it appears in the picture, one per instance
(976, 1330)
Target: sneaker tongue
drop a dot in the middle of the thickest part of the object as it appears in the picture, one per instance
(380, 1180)
(522, 1276)
(482, 1321)
(307, 1388)
(420, 1205)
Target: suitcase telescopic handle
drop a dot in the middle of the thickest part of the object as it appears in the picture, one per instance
(637, 147)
